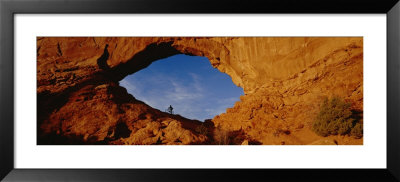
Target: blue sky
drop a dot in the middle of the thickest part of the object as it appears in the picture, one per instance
(190, 84)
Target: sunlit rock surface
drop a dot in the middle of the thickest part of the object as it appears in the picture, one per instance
(284, 80)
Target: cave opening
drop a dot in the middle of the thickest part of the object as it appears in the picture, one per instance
(194, 88)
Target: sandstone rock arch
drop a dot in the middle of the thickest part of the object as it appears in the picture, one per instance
(278, 73)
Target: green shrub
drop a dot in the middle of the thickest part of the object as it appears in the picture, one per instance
(336, 118)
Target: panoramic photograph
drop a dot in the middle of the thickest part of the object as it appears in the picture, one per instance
(199, 90)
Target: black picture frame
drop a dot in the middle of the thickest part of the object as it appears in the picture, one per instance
(8, 8)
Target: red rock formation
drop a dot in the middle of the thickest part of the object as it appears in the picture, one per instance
(284, 80)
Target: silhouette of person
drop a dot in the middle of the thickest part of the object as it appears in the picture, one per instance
(170, 109)
(102, 61)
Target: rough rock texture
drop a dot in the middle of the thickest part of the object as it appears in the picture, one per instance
(107, 114)
(284, 79)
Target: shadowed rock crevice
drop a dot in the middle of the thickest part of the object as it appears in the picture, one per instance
(102, 61)
(122, 131)
(59, 51)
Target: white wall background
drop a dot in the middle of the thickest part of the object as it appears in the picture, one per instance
(371, 155)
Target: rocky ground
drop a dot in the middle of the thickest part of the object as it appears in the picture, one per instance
(284, 79)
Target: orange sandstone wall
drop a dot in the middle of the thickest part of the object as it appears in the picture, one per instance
(284, 80)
